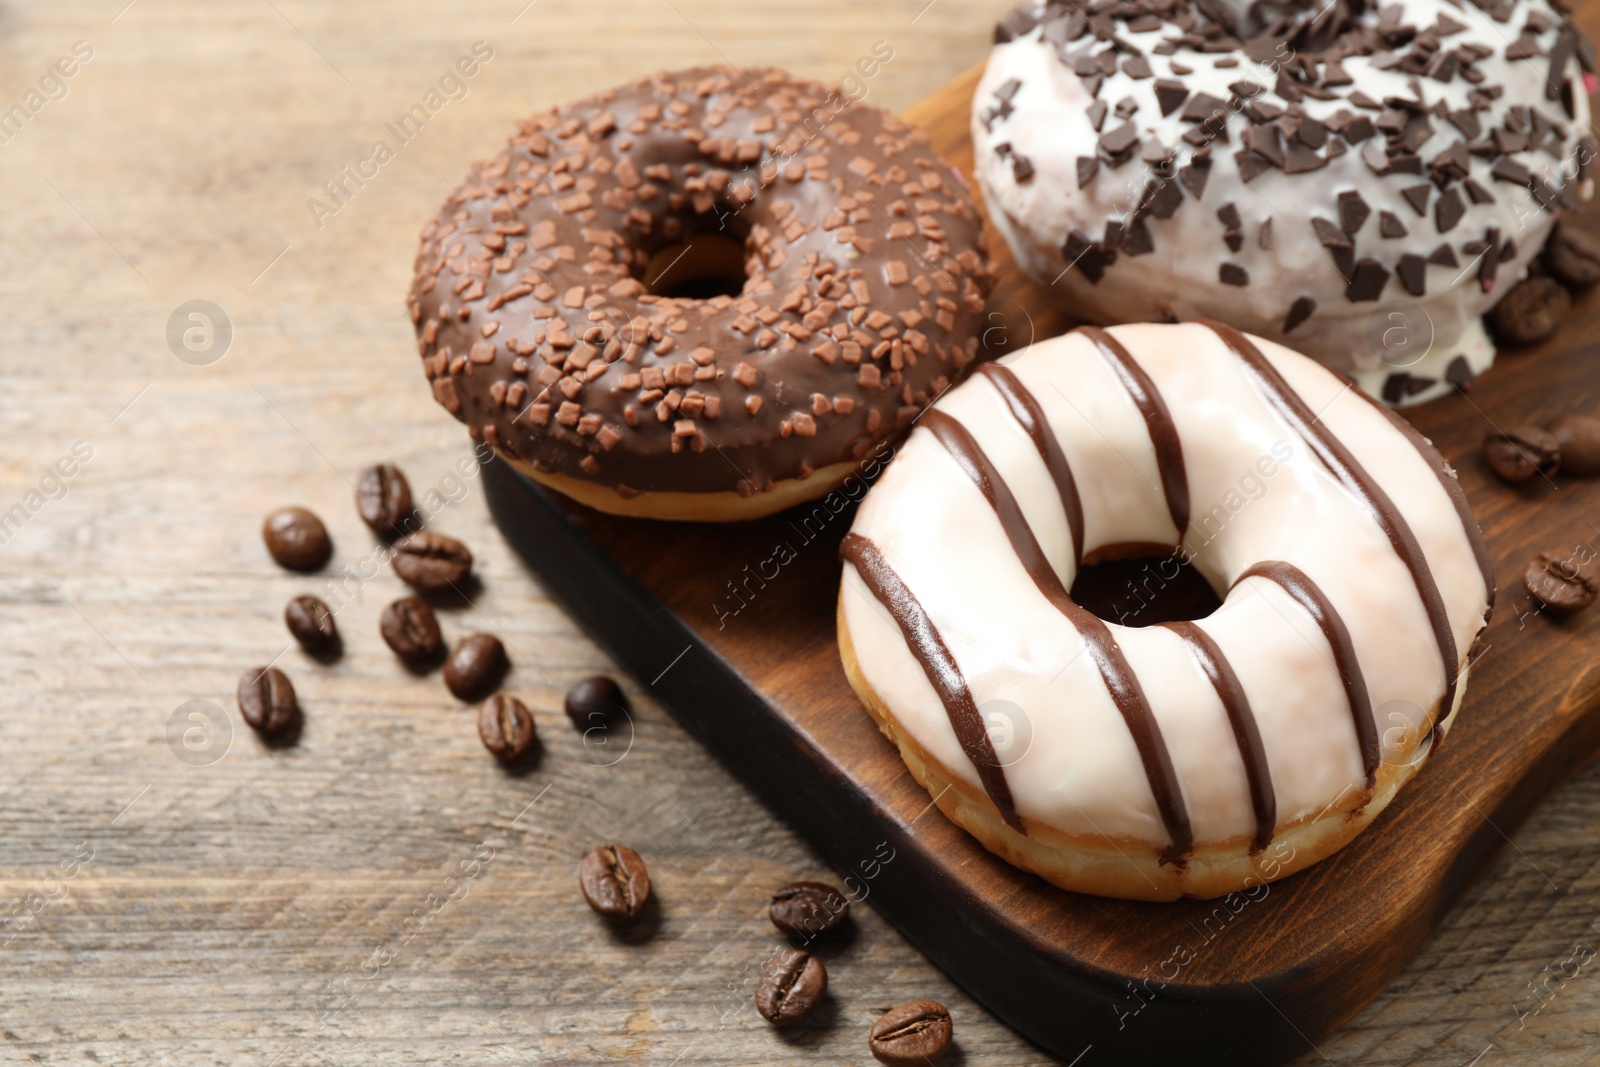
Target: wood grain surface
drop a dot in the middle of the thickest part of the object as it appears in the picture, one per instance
(382, 893)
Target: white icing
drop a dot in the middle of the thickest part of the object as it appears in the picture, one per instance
(1179, 279)
(1082, 772)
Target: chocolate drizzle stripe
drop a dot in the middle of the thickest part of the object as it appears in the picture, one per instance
(1157, 419)
(1209, 655)
(1309, 595)
(1121, 682)
(1030, 416)
(938, 664)
(1354, 477)
(1458, 497)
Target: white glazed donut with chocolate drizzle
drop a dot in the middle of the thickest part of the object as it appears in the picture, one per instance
(1186, 758)
(1361, 180)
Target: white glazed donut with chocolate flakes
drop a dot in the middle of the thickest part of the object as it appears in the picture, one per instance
(1186, 758)
(1360, 180)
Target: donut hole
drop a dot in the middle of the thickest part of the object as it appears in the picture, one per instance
(702, 266)
(1144, 589)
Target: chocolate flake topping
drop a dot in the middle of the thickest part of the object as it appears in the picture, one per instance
(1413, 272)
(1170, 95)
(1447, 211)
(1120, 141)
(1367, 282)
(1087, 166)
(1299, 312)
(1353, 211)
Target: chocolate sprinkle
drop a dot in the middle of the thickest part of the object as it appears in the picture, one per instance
(1447, 211)
(1417, 197)
(1367, 281)
(1194, 175)
(1299, 312)
(1353, 211)
(1119, 141)
(1170, 95)
(1413, 272)
(1201, 107)
(1233, 274)
(1390, 226)
(1087, 166)
(1329, 235)
(1444, 256)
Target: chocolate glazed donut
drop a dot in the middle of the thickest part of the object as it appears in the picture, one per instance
(567, 310)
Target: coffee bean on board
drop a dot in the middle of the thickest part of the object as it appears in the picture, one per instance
(267, 701)
(615, 882)
(296, 539)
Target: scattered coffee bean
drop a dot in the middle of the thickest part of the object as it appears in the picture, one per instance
(1531, 310)
(409, 627)
(614, 882)
(311, 623)
(1557, 582)
(431, 562)
(791, 986)
(596, 702)
(914, 1033)
(1523, 454)
(266, 700)
(1573, 256)
(810, 909)
(506, 727)
(475, 666)
(383, 497)
(1579, 438)
(297, 539)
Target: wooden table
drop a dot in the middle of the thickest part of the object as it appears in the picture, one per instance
(173, 892)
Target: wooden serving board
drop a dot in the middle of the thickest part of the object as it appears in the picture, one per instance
(1098, 981)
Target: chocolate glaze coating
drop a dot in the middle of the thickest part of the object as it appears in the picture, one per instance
(866, 276)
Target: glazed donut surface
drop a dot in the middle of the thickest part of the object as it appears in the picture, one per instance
(1174, 759)
(864, 278)
(1361, 181)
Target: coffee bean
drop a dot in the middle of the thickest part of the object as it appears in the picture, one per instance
(297, 539)
(1522, 454)
(475, 666)
(810, 909)
(506, 727)
(791, 986)
(596, 702)
(614, 882)
(383, 497)
(311, 623)
(1557, 582)
(1579, 438)
(914, 1033)
(1573, 255)
(409, 627)
(430, 562)
(266, 700)
(1531, 310)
